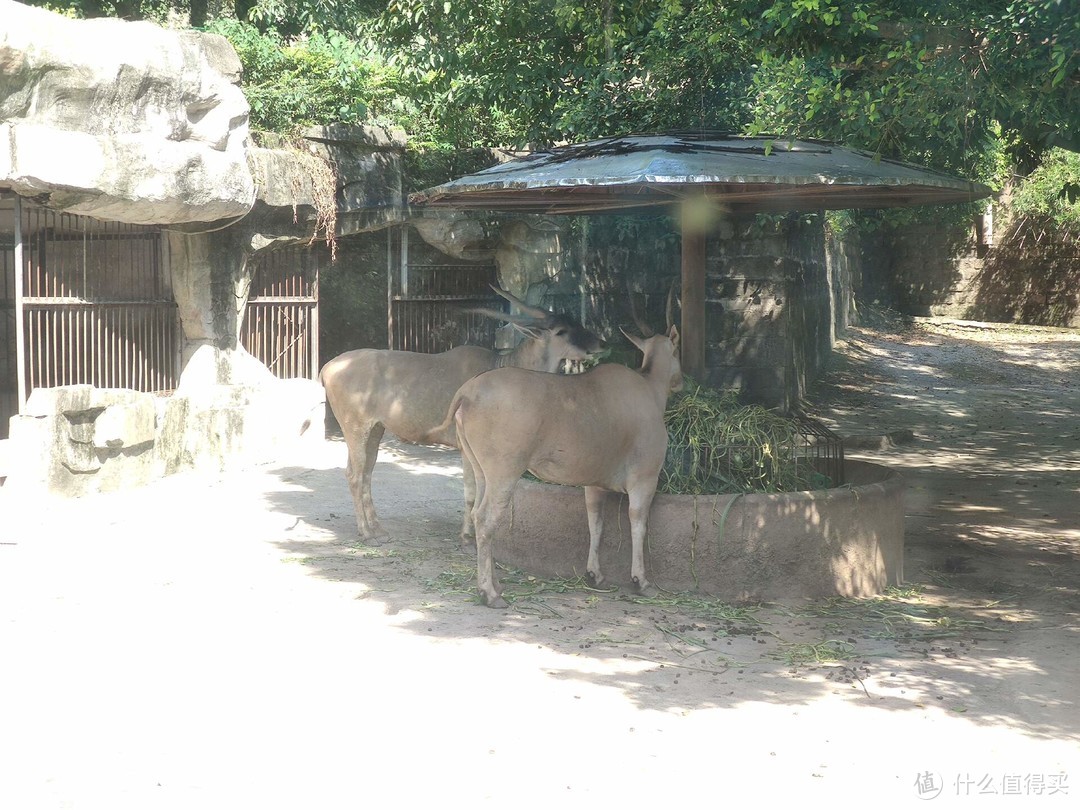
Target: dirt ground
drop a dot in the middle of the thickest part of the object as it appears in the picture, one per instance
(225, 642)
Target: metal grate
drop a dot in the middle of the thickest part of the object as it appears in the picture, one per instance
(281, 323)
(9, 343)
(822, 446)
(95, 302)
(437, 280)
(117, 345)
(437, 324)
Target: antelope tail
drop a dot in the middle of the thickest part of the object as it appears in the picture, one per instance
(446, 433)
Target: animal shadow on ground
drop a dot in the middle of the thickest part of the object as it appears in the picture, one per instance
(930, 641)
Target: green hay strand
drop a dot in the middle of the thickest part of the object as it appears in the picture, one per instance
(717, 446)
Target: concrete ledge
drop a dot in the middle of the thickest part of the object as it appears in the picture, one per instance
(76, 440)
(838, 542)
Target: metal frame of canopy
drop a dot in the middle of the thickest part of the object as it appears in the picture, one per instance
(702, 173)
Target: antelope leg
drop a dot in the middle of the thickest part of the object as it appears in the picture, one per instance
(468, 527)
(595, 498)
(363, 444)
(640, 502)
(489, 518)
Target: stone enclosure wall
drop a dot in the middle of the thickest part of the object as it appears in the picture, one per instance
(1022, 273)
(846, 541)
(777, 295)
(78, 439)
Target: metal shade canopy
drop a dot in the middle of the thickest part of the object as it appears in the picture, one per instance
(731, 174)
(738, 174)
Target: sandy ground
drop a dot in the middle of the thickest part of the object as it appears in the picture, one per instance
(225, 642)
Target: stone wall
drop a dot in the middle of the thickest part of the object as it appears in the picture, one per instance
(770, 312)
(846, 541)
(352, 297)
(920, 270)
(1028, 274)
(777, 296)
(1031, 276)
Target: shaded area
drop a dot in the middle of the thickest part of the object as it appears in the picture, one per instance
(992, 560)
(995, 461)
(1033, 276)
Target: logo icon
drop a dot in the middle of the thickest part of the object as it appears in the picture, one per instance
(928, 785)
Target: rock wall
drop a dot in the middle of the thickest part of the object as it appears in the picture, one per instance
(1029, 275)
(133, 123)
(75, 440)
(120, 120)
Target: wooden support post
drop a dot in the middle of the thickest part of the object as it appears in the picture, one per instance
(20, 331)
(390, 288)
(692, 331)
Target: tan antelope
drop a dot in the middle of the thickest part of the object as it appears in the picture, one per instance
(602, 430)
(407, 393)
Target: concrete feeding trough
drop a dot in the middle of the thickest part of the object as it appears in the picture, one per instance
(845, 541)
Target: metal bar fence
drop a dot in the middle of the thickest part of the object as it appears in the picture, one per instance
(281, 321)
(436, 325)
(95, 303)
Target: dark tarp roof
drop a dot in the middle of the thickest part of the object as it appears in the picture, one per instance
(740, 174)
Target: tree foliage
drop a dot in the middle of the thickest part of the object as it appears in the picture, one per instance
(1051, 193)
(934, 82)
(553, 69)
(321, 79)
(937, 82)
(948, 83)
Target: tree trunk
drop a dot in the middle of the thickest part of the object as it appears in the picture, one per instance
(198, 13)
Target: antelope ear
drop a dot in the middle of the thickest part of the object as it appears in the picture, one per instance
(673, 333)
(636, 341)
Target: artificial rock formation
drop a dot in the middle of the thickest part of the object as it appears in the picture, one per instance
(133, 123)
(122, 121)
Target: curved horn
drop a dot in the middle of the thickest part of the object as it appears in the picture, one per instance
(669, 309)
(535, 312)
(520, 320)
(641, 325)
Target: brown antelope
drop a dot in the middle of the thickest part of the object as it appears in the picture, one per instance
(602, 430)
(372, 390)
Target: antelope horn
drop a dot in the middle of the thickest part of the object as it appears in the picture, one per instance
(518, 320)
(641, 325)
(669, 309)
(639, 342)
(536, 313)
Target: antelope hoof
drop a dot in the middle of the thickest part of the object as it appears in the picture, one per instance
(645, 588)
(495, 601)
(375, 538)
(595, 579)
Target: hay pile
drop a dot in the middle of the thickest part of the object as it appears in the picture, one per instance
(717, 446)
